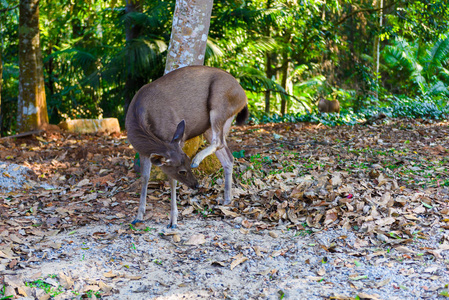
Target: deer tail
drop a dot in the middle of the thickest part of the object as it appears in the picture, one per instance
(242, 116)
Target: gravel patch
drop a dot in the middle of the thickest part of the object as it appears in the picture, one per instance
(148, 264)
(12, 176)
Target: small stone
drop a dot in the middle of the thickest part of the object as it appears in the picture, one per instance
(373, 174)
(273, 234)
(176, 238)
(10, 291)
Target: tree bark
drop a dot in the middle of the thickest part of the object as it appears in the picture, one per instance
(32, 106)
(284, 73)
(379, 6)
(132, 31)
(1, 82)
(188, 40)
(269, 71)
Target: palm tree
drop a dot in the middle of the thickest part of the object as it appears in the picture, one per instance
(423, 67)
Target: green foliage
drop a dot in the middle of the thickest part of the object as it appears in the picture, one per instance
(422, 67)
(48, 288)
(97, 54)
(3, 292)
(426, 108)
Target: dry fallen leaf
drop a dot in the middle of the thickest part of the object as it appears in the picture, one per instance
(187, 211)
(104, 287)
(257, 249)
(196, 239)
(66, 281)
(238, 259)
(227, 212)
(321, 271)
(273, 234)
(110, 274)
(176, 238)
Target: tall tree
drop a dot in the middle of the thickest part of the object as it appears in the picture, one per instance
(379, 6)
(133, 31)
(191, 21)
(1, 81)
(32, 107)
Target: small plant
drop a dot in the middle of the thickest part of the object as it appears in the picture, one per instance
(90, 293)
(48, 288)
(3, 292)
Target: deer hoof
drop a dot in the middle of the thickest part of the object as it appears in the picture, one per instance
(136, 221)
(172, 226)
(194, 165)
(226, 202)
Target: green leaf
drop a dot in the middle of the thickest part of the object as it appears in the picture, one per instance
(427, 205)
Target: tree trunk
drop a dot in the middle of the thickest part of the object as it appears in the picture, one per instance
(268, 74)
(379, 5)
(269, 71)
(284, 73)
(32, 106)
(191, 21)
(1, 82)
(132, 31)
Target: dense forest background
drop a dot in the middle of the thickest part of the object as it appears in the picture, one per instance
(368, 54)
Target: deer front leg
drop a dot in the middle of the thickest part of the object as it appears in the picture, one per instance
(145, 169)
(173, 207)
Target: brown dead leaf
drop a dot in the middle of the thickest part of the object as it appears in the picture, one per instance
(66, 281)
(273, 234)
(187, 211)
(331, 216)
(83, 182)
(196, 239)
(176, 238)
(218, 264)
(238, 259)
(94, 288)
(257, 250)
(403, 249)
(228, 213)
(321, 271)
(110, 274)
(104, 287)
(247, 224)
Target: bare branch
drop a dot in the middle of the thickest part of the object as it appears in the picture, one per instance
(363, 11)
(9, 8)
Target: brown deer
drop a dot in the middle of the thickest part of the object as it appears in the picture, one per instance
(328, 106)
(181, 105)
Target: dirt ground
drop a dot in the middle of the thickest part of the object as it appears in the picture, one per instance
(319, 213)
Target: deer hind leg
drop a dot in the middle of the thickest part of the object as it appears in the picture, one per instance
(145, 168)
(226, 159)
(216, 138)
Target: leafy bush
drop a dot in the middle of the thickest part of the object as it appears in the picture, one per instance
(396, 107)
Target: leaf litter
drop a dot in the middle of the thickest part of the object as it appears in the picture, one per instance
(318, 213)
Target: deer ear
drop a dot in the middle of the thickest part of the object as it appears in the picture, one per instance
(179, 133)
(158, 160)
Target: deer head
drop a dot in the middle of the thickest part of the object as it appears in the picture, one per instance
(174, 162)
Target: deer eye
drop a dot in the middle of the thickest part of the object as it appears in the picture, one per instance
(182, 172)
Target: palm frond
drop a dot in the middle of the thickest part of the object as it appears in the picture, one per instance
(255, 80)
(213, 50)
(153, 18)
(437, 89)
(298, 71)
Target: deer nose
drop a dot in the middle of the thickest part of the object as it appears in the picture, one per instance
(197, 186)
